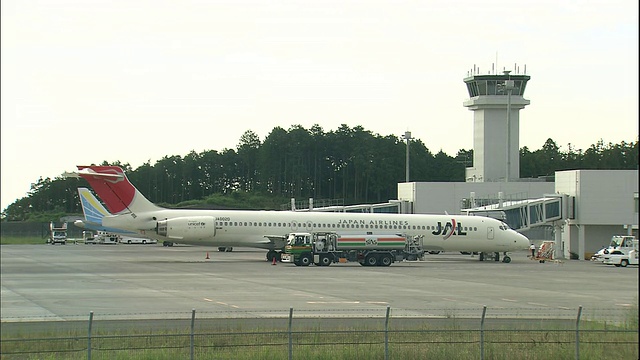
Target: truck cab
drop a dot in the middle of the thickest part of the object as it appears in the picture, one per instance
(624, 243)
(57, 235)
(298, 249)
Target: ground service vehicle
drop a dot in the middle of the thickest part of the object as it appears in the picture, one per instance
(57, 235)
(325, 248)
(620, 258)
(545, 252)
(88, 237)
(136, 240)
(622, 243)
(105, 238)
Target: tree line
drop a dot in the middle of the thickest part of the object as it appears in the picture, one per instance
(350, 164)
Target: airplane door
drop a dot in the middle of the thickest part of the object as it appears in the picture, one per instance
(490, 233)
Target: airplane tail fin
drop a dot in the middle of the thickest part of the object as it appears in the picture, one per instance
(114, 189)
(92, 209)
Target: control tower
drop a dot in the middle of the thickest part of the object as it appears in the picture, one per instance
(496, 101)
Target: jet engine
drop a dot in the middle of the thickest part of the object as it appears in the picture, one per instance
(187, 228)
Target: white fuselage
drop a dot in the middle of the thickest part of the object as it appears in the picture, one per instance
(241, 228)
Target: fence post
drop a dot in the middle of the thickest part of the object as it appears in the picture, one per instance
(193, 323)
(386, 334)
(578, 333)
(290, 335)
(89, 335)
(484, 311)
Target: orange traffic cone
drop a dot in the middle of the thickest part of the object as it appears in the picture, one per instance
(274, 261)
(207, 255)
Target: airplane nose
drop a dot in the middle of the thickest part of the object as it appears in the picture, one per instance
(521, 241)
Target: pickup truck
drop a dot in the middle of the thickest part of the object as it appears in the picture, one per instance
(618, 258)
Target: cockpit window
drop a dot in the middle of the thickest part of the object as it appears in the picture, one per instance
(504, 226)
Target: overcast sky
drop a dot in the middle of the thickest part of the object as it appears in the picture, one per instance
(122, 80)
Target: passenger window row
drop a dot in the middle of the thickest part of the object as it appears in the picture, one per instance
(338, 226)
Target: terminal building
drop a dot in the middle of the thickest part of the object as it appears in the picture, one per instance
(580, 211)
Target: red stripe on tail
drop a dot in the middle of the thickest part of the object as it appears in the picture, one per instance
(116, 193)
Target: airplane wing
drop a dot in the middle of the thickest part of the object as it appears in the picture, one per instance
(278, 240)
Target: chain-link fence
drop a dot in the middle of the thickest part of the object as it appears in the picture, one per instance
(483, 333)
(35, 229)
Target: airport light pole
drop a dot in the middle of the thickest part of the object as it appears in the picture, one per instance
(509, 86)
(407, 136)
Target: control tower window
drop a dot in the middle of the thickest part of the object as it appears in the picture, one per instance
(519, 89)
(492, 88)
(472, 87)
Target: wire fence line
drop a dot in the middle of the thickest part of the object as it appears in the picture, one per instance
(535, 333)
(352, 310)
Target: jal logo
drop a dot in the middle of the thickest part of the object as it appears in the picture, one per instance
(449, 228)
(371, 242)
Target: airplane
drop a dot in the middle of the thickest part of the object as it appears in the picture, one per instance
(130, 210)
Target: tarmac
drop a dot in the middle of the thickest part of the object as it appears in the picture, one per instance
(125, 282)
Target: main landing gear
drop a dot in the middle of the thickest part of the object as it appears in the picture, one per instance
(495, 256)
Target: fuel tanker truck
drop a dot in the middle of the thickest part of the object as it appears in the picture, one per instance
(325, 248)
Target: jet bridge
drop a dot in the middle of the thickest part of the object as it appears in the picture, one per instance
(522, 215)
